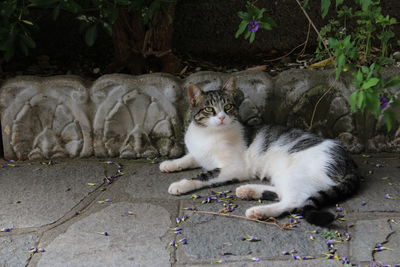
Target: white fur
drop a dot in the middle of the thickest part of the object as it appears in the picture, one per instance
(294, 177)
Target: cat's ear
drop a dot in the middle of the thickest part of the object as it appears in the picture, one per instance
(195, 94)
(231, 89)
(230, 85)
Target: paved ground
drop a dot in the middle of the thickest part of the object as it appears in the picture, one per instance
(62, 214)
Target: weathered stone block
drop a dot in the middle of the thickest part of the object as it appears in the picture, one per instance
(45, 118)
(144, 116)
(136, 117)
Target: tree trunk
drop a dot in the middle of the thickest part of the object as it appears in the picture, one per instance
(142, 49)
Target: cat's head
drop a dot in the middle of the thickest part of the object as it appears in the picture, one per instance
(215, 109)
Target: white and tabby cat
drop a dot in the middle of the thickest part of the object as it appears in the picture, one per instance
(306, 172)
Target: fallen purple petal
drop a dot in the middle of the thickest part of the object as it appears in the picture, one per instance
(183, 241)
(387, 196)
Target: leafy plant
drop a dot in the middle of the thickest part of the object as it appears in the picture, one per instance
(372, 95)
(252, 20)
(345, 53)
(17, 23)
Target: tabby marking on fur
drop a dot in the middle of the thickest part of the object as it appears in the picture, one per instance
(306, 172)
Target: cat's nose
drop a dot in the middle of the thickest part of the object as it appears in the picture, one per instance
(221, 118)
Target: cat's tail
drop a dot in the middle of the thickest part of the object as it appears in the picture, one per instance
(312, 212)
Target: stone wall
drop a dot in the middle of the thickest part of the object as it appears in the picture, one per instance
(144, 116)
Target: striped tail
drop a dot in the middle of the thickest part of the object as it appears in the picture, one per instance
(311, 211)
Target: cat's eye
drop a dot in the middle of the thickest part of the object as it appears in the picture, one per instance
(228, 107)
(209, 109)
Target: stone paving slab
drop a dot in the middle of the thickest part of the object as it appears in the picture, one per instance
(131, 241)
(369, 233)
(272, 263)
(142, 240)
(14, 250)
(36, 195)
(382, 176)
(213, 237)
(154, 184)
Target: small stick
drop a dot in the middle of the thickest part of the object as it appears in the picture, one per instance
(285, 226)
(315, 28)
(316, 105)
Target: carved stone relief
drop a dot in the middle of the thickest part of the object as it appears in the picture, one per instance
(136, 116)
(143, 116)
(44, 118)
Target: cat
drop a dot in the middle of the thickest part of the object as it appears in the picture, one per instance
(306, 172)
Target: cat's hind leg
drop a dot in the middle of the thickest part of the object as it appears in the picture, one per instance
(271, 210)
(257, 191)
(186, 162)
(207, 179)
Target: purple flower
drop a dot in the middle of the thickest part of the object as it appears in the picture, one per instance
(311, 237)
(255, 259)
(363, 203)
(379, 165)
(253, 26)
(286, 252)
(172, 244)
(387, 196)
(41, 250)
(307, 258)
(384, 101)
(5, 229)
(339, 209)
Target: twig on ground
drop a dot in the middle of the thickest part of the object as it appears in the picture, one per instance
(285, 226)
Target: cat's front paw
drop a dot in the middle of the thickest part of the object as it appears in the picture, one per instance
(182, 187)
(169, 166)
(247, 191)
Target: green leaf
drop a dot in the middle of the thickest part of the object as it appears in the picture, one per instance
(252, 37)
(339, 2)
(266, 26)
(353, 101)
(370, 83)
(241, 29)
(372, 102)
(389, 117)
(361, 100)
(325, 4)
(247, 35)
(91, 35)
(244, 15)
